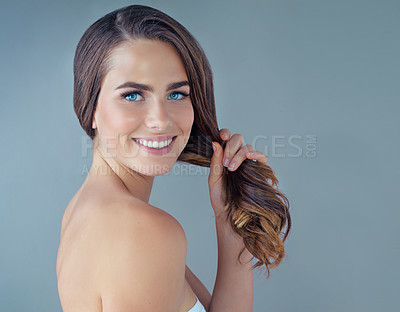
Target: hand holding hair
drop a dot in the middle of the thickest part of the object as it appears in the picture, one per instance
(246, 195)
(230, 157)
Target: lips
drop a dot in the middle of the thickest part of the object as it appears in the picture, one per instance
(156, 151)
(156, 138)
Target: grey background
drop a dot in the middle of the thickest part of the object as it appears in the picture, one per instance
(284, 70)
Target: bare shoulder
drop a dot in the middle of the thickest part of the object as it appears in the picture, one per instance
(138, 217)
(142, 257)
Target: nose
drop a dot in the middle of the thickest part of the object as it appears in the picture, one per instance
(158, 116)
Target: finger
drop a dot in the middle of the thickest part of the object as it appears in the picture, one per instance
(216, 167)
(225, 134)
(258, 156)
(232, 147)
(240, 156)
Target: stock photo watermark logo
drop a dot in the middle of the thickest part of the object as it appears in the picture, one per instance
(274, 146)
(282, 146)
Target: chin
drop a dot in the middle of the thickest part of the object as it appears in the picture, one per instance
(155, 169)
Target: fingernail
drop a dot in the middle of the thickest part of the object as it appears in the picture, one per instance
(224, 134)
(214, 148)
(251, 153)
(231, 166)
(226, 162)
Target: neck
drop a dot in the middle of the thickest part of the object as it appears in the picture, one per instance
(137, 184)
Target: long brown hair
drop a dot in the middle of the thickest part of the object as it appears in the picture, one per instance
(255, 208)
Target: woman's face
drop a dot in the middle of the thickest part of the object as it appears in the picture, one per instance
(144, 100)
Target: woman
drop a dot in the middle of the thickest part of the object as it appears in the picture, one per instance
(143, 92)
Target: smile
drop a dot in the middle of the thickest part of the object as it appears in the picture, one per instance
(154, 144)
(158, 146)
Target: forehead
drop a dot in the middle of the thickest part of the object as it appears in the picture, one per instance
(145, 60)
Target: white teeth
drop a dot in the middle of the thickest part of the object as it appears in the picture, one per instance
(154, 144)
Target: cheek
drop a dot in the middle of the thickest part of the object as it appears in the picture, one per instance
(117, 121)
(188, 118)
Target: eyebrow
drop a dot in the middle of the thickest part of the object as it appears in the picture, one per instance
(130, 84)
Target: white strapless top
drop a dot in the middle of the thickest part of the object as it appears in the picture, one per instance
(198, 307)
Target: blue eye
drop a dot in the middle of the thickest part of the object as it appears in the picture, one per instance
(179, 93)
(131, 96)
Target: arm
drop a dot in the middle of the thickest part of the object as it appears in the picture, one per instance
(142, 263)
(233, 288)
(198, 288)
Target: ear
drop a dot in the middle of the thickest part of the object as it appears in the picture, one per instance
(94, 124)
